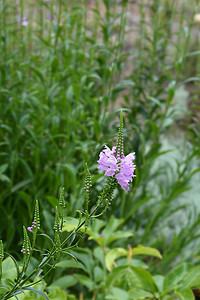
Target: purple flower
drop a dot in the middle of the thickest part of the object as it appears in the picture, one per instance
(22, 20)
(51, 17)
(30, 228)
(121, 167)
(108, 162)
(33, 227)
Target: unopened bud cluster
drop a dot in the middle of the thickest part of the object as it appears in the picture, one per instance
(26, 247)
(57, 226)
(62, 198)
(120, 140)
(36, 223)
(88, 181)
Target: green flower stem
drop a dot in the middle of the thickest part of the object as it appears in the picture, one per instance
(20, 284)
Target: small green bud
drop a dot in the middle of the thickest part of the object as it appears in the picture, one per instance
(120, 138)
(57, 228)
(26, 248)
(57, 221)
(37, 215)
(62, 198)
(88, 179)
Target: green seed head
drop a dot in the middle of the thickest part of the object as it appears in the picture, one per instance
(62, 198)
(57, 221)
(120, 138)
(37, 216)
(26, 248)
(88, 179)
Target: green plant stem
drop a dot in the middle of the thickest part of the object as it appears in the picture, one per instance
(51, 255)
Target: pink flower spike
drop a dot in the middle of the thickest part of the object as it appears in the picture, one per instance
(122, 167)
(30, 228)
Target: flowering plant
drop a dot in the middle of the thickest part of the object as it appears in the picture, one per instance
(119, 169)
(116, 164)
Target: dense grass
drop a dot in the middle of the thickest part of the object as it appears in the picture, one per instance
(64, 77)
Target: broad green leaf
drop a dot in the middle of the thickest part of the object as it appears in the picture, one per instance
(159, 280)
(118, 294)
(146, 251)
(97, 225)
(100, 255)
(70, 224)
(98, 274)
(58, 294)
(64, 282)
(111, 226)
(70, 264)
(112, 255)
(116, 274)
(134, 262)
(53, 201)
(140, 278)
(9, 270)
(175, 276)
(118, 235)
(16, 264)
(185, 294)
(137, 293)
(85, 280)
(85, 256)
(192, 279)
(134, 276)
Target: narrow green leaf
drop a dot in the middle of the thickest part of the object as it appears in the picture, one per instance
(36, 291)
